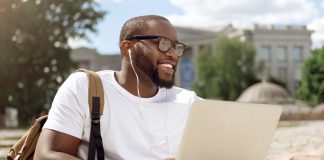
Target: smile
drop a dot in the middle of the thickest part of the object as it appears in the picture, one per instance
(167, 66)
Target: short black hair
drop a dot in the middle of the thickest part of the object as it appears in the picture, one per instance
(136, 25)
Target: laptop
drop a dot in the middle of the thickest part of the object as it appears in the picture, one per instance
(221, 130)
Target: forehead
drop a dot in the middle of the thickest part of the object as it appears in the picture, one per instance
(161, 28)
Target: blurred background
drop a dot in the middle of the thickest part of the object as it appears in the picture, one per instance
(257, 51)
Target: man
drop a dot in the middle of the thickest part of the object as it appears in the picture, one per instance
(144, 114)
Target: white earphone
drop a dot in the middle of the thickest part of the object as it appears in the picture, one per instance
(137, 79)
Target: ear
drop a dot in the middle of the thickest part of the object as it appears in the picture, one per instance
(125, 46)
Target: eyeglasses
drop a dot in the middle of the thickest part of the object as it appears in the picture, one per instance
(164, 45)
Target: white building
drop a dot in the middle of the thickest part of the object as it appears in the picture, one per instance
(282, 50)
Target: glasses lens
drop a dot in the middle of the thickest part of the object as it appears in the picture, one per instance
(165, 44)
(180, 48)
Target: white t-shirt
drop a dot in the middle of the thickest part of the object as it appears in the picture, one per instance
(131, 128)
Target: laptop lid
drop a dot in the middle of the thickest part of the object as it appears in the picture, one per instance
(221, 130)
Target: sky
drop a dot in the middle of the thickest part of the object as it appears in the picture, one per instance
(203, 14)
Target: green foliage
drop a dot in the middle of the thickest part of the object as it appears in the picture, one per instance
(311, 88)
(226, 72)
(34, 51)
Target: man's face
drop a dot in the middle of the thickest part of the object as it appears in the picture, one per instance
(159, 66)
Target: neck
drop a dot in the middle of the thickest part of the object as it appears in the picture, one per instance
(127, 79)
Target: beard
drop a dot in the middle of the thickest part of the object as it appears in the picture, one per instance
(161, 82)
(145, 64)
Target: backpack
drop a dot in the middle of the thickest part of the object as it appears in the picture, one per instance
(25, 147)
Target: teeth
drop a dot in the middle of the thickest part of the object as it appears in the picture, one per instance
(167, 65)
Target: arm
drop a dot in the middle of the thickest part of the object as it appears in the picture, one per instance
(56, 145)
(61, 134)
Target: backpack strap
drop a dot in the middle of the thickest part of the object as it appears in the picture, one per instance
(95, 88)
(96, 106)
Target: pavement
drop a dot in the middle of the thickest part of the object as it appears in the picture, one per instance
(298, 141)
(292, 141)
(8, 137)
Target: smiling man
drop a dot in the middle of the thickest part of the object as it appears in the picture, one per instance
(144, 113)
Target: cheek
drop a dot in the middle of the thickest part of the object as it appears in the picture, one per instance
(145, 61)
(150, 54)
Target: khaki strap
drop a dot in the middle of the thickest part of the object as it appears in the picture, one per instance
(95, 88)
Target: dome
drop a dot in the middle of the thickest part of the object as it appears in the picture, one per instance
(267, 93)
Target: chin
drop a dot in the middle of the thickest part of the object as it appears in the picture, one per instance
(163, 81)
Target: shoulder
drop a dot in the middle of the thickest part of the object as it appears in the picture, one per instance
(76, 78)
(106, 74)
(81, 79)
(181, 94)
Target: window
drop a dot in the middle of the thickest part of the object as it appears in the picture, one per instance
(282, 73)
(282, 54)
(297, 54)
(265, 54)
(187, 73)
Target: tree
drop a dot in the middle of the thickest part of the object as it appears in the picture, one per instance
(311, 88)
(34, 50)
(226, 72)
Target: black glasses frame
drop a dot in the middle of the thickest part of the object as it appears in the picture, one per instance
(179, 47)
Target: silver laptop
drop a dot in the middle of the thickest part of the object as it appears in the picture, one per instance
(221, 130)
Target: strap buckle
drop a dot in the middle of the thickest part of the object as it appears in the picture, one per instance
(95, 113)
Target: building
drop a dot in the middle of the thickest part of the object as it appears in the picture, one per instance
(281, 51)
(90, 59)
